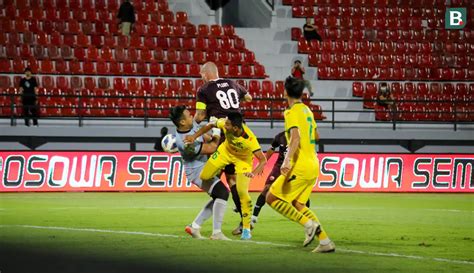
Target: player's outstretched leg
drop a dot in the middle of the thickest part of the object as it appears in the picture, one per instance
(235, 197)
(289, 211)
(195, 228)
(246, 204)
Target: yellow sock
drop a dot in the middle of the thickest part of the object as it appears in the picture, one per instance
(289, 211)
(311, 215)
(245, 200)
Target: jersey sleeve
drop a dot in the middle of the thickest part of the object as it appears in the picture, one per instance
(253, 144)
(291, 120)
(201, 100)
(241, 91)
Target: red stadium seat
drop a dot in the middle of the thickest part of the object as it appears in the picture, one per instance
(47, 82)
(194, 70)
(5, 66)
(233, 71)
(142, 68)
(155, 69)
(357, 89)
(128, 68)
(259, 71)
(46, 67)
(88, 68)
(168, 69)
(181, 17)
(182, 69)
(90, 83)
(254, 87)
(203, 30)
(370, 94)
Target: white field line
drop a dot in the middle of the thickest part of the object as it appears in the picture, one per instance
(369, 253)
(197, 207)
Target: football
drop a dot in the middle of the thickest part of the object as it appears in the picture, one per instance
(169, 144)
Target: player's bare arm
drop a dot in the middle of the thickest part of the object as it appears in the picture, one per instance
(292, 149)
(269, 153)
(210, 147)
(190, 139)
(200, 115)
(262, 160)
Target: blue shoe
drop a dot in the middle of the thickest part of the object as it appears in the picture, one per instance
(246, 235)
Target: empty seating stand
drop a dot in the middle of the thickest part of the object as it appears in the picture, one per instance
(81, 37)
(92, 96)
(386, 40)
(421, 101)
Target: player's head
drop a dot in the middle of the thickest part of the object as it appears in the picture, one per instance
(27, 72)
(181, 117)
(308, 20)
(209, 71)
(293, 88)
(234, 122)
(164, 131)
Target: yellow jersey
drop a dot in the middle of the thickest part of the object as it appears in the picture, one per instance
(305, 163)
(242, 146)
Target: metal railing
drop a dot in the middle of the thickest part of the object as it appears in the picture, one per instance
(146, 108)
(271, 3)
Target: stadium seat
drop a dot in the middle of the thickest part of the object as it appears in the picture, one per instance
(47, 82)
(90, 83)
(194, 70)
(357, 89)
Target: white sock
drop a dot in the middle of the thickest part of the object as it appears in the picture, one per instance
(218, 210)
(325, 241)
(254, 219)
(203, 215)
(308, 224)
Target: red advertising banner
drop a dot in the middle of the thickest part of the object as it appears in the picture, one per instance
(150, 171)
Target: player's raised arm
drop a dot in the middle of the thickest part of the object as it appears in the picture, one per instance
(292, 149)
(201, 106)
(269, 153)
(202, 131)
(211, 147)
(200, 115)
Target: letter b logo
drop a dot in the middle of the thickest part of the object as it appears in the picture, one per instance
(455, 18)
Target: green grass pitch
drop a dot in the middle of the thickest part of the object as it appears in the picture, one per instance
(144, 232)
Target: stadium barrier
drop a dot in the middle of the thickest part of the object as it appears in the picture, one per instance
(148, 108)
(151, 171)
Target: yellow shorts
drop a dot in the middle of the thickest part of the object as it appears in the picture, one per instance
(293, 189)
(222, 158)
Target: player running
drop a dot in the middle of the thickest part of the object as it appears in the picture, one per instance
(279, 142)
(215, 99)
(300, 168)
(238, 148)
(194, 156)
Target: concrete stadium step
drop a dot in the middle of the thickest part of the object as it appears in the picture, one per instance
(198, 11)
